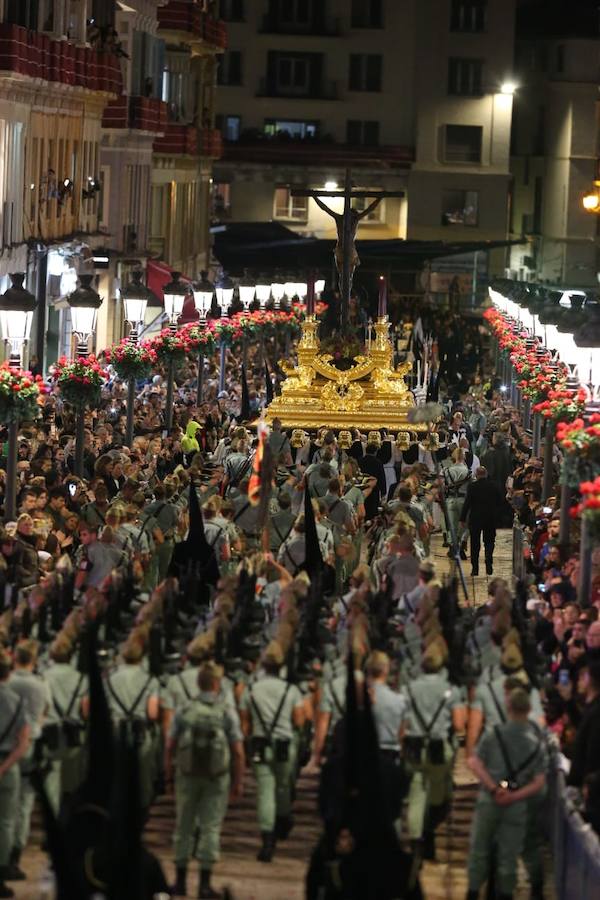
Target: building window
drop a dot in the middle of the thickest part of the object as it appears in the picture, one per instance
(460, 208)
(467, 15)
(376, 215)
(232, 10)
(292, 75)
(364, 133)
(230, 127)
(366, 14)
(221, 199)
(462, 143)
(287, 207)
(465, 77)
(295, 12)
(23, 12)
(291, 129)
(365, 72)
(229, 70)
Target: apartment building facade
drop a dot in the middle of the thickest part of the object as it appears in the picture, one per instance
(409, 95)
(555, 144)
(90, 126)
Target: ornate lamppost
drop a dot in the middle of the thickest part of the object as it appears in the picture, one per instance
(84, 304)
(203, 296)
(175, 293)
(135, 299)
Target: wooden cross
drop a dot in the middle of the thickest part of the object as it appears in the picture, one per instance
(346, 257)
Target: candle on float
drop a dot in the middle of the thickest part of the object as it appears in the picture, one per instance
(310, 296)
(382, 307)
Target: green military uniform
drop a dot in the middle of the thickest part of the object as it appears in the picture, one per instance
(201, 799)
(503, 827)
(333, 698)
(427, 748)
(36, 702)
(490, 699)
(456, 478)
(183, 687)
(270, 702)
(67, 689)
(166, 514)
(129, 689)
(12, 720)
(280, 527)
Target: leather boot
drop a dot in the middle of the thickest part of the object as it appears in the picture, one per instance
(179, 889)
(13, 872)
(265, 854)
(5, 890)
(205, 891)
(283, 827)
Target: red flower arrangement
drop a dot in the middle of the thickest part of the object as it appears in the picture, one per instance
(589, 506)
(20, 394)
(580, 444)
(169, 346)
(80, 382)
(227, 331)
(131, 360)
(199, 336)
(562, 405)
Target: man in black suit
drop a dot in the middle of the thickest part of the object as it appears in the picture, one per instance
(481, 507)
(370, 465)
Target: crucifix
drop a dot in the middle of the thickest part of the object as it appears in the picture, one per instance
(346, 257)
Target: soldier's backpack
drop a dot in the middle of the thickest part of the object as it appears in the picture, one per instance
(203, 748)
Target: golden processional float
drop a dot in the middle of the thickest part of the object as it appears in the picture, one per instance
(366, 391)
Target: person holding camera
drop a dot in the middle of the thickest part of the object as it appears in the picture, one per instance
(271, 710)
(510, 763)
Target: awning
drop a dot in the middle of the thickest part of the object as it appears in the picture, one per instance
(264, 246)
(158, 274)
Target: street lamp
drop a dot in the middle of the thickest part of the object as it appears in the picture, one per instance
(84, 303)
(225, 288)
(17, 306)
(289, 288)
(203, 297)
(277, 291)
(319, 286)
(174, 293)
(301, 290)
(247, 289)
(263, 290)
(591, 199)
(203, 291)
(135, 299)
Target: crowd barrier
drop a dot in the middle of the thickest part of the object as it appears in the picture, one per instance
(575, 847)
(518, 551)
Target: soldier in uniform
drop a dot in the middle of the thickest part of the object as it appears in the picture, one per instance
(433, 707)
(488, 707)
(389, 709)
(14, 743)
(164, 510)
(281, 523)
(36, 703)
(456, 478)
(510, 764)
(69, 707)
(204, 735)
(134, 699)
(270, 711)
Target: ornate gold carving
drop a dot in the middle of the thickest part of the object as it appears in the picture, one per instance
(371, 394)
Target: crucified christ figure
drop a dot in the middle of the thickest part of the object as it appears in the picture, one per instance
(347, 226)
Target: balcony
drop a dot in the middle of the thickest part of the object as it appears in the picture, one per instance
(327, 90)
(30, 54)
(313, 152)
(178, 140)
(192, 25)
(211, 143)
(139, 113)
(324, 28)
